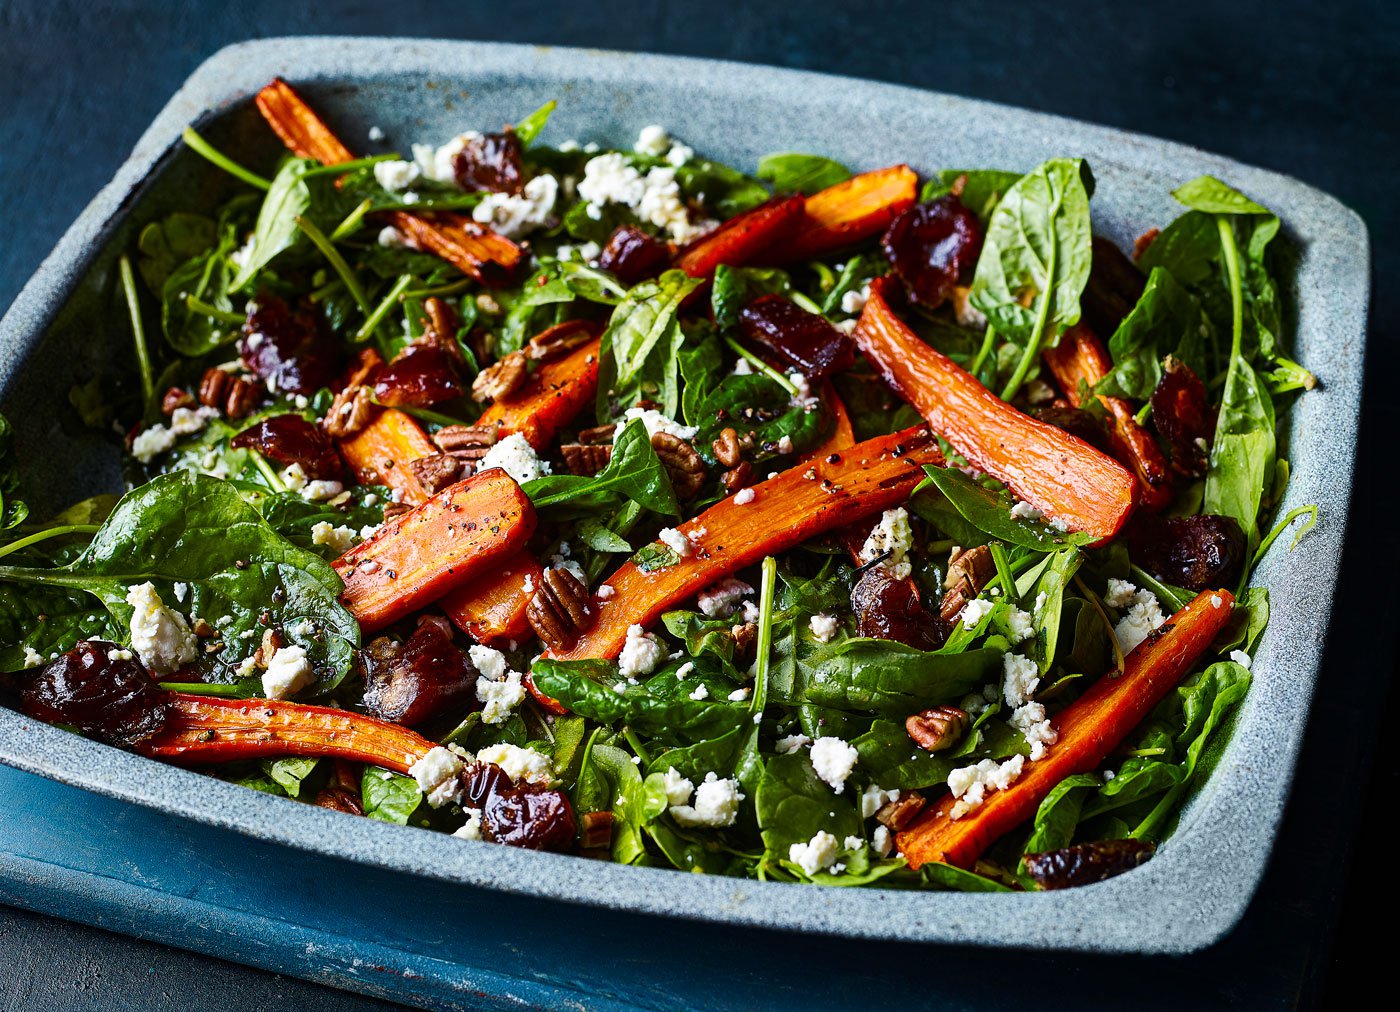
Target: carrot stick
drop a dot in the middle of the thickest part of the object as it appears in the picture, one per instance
(853, 210)
(417, 557)
(1089, 728)
(473, 249)
(784, 511)
(491, 608)
(201, 729)
(1081, 358)
(552, 397)
(379, 453)
(1060, 475)
(299, 127)
(742, 238)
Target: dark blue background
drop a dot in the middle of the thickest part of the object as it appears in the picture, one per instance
(1304, 88)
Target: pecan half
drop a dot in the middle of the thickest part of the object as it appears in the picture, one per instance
(937, 728)
(898, 814)
(599, 435)
(560, 609)
(342, 793)
(351, 411)
(439, 470)
(233, 395)
(559, 340)
(500, 379)
(468, 443)
(586, 458)
(737, 477)
(726, 448)
(440, 327)
(595, 830)
(969, 570)
(175, 397)
(682, 463)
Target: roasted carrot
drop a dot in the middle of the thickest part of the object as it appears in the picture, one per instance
(305, 133)
(491, 608)
(851, 211)
(379, 453)
(796, 506)
(473, 249)
(1089, 728)
(1078, 362)
(842, 436)
(465, 530)
(743, 238)
(1062, 476)
(554, 394)
(203, 730)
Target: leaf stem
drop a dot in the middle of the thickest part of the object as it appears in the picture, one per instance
(52, 532)
(989, 340)
(762, 366)
(223, 161)
(806, 303)
(1265, 545)
(387, 303)
(138, 332)
(1042, 316)
(637, 745)
(328, 250)
(767, 586)
(201, 689)
(352, 220)
(203, 308)
(269, 475)
(1231, 254)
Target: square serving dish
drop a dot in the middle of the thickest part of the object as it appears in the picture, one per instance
(61, 328)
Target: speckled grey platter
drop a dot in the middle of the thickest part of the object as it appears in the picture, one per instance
(1197, 887)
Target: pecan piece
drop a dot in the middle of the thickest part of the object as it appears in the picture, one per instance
(468, 443)
(560, 609)
(726, 448)
(175, 397)
(599, 435)
(439, 470)
(342, 793)
(595, 830)
(559, 340)
(500, 379)
(351, 411)
(682, 463)
(899, 813)
(969, 570)
(233, 395)
(737, 477)
(586, 458)
(937, 728)
(440, 327)
(271, 643)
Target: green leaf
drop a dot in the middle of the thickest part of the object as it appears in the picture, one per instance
(762, 407)
(529, 128)
(736, 287)
(634, 472)
(1167, 319)
(889, 678)
(633, 806)
(892, 760)
(722, 190)
(793, 805)
(982, 188)
(1243, 452)
(1051, 584)
(167, 243)
(1036, 249)
(290, 772)
(388, 796)
(989, 511)
(639, 355)
(276, 230)
(1206, 193)
(13, 510)
(1058, 814)
(799, 173)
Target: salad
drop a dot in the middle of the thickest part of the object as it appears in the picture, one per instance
(812, 526)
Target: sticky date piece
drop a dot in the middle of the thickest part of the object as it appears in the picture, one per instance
(115, 701)
(933, 246)
(1197, 552)
(287, 348)
(291, 439)
(420, 375)
(490, 162)
(518, 815)
(890, 609)
(1183, 418)
(411, 682)
(633, 256)
(1086, 863)
(803, 341)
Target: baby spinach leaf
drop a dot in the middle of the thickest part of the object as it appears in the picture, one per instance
(293, 517)
(13, 510)
(1036, 256)
(634, 472)
(290, 772)
(1167, 319)
(276, 230)
(799, 173)
(389, 796)
(633, 806)
(735, 287)
(982, 188)
(1206, 193)
(529, 128)
(49, 621)
(1048, 601)
(989, 511)
(643, 711)
(793, 805)
(1058, 814)
(702, 369)
(756, 404)
(639, 357)
(722, 190)
(713, 755)
(889, 678)
(960, 880)
(892, 760)
(1243, 452)
(173, 240)
(586, 222)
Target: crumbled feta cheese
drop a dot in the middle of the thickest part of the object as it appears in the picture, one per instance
(881, 841)
(157, 439)
(1241, 658)
(853, 843)
(159, 634)
(437, 163)
(678, 788)
(684, 671)
(874, 798)
(391, 238)
(854, 300)
(320, 490)
(802, 398)
(498, 688)
(488, 662)
(743, 497)
(1216, 600)
(1143, 616)
(605, 592)
(847, 326)
(1019, 625)
(722, 599)
(680, 154)
(1025, 511)
(785, 444)
(288, 672)
(891, 535)
(437, 774)
(641, 653)
(376, 134)
(740, 694)
(1031, 721)
(817, 854)
(824, 626)
(514, 216)
(341, 539)
(716, 804)
(834, 759)
(675, 540)
(791, 743)
(396, 175)
(654, 421)
(1120, 593)
(743, 367)
(518, 763)
(975, 611)
(655, 197)
(700, 693)
(294, 477)
(750, 612)
(1039, 605)
(1020, 677)
(472, 829)
(32, 657)
(971, 784)
(653, 140)
(516, 457)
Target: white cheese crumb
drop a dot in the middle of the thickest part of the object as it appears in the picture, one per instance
(834, 759)
(874, 798)
(1031, 721)
(655, 197)
(824, 626)
(716, 804)
(675, 540)
(516, 457)
(437, 774)
(341, 539)
(678, 788)
(817, 854)
(159, 634)
(653, 140)
(722, 599)
(391, 238)
(971, 784)
(891, 535)
(791, 743)
(32, 657)
(854, 300)
(1216, 600)
(518, 763)
(641, 653)
(700, 693)
(605, 592)
(654, 421)
(437, 163)
(376, 134)
(975, 611)
(1020, 677)
(1019, 625)
(517, 215)
(472, 829)
(1241, 658)
(1025, 511)
(320, 490)
(743, 497)
(396, 175)
(881, 841)
(740, 694)
(288, 672)
(1143, 616)
(498, 689)
(1120, 593)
